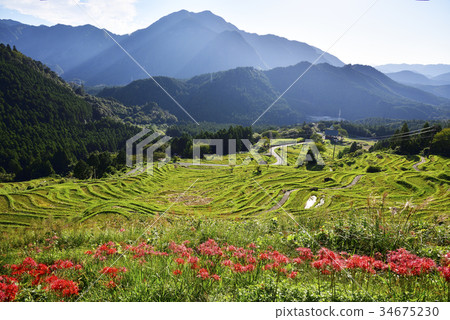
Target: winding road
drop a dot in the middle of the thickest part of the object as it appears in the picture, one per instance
(280, 160)
(422, 161)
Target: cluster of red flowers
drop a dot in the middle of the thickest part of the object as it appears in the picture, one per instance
(209, 259)
(402, 262)
(368, 264)
(143, 249)
(241, 260)
(181, 249)
(62, 286)
(113, 273)
(43, 273)
(8, 288)
(328, 261)
(304, 254)
(39, 270)
(65, 264)
(103, 251)
(210, 248)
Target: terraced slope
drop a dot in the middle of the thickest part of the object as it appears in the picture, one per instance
(239, 192)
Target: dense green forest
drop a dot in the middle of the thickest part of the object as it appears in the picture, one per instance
(45, 125)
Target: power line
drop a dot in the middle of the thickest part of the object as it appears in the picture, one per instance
(400, 135)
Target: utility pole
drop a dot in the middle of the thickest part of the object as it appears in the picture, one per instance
(334, 148)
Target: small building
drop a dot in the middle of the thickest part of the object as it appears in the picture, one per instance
(331, 134)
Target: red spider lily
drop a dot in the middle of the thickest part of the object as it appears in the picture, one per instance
(203, 273)
(177, 272)
(365, 263)
(242, 253)
(62, 264)
(251, 259)
(280, 258)
(61, 286)
(231, 248)
(179, 261)
(144, 249)
(216, 277)
(227, 263)
(27, 265)
(305, 254)
(111, 284)
(210, 248)
(249, 267)
(263, 256)
(180, 248)
(113, 272)
(8, 289)
(269, 266)
(445, 273)
(39, 272)
(192, 260)
(292, 275)
(194, 266)
(104, 250)
(327, 261)
(402, 262)
(251, 245)
(275, 256)
(237, 267)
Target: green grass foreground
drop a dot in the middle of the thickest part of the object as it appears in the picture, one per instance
(223, 238)
(223, 260)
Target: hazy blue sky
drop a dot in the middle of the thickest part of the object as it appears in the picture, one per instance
(393, 31)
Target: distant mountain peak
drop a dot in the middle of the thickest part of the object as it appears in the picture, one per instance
(182, 44)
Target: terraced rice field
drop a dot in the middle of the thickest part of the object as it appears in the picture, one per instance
(239, 192)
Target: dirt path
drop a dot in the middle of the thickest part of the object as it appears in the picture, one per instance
(287, 194)
(422, 160)
(355, 181)
(283, 200)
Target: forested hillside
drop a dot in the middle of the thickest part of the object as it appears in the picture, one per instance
(44, 124)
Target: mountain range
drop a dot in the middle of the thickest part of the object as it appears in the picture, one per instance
(438, 85)
(411, 77)
(240, 95)
(428, 70)
(182, 45)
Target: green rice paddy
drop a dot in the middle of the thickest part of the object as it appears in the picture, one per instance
(236, 192)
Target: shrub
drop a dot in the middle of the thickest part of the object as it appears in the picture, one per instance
(373, 169)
